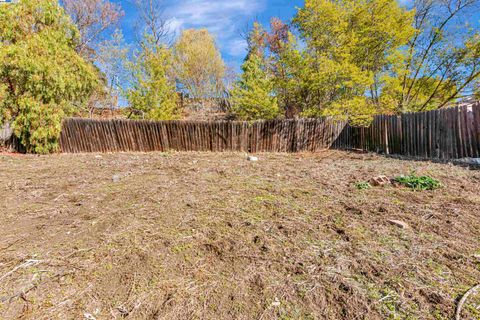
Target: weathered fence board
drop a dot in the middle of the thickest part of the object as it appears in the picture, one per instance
(443, 134)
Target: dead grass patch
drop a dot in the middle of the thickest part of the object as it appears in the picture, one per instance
(213, 236)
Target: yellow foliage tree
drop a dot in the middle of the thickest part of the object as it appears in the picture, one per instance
(199, 67)
(350, 45)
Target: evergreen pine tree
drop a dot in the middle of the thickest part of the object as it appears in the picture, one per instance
(153, 95)
(253, 95)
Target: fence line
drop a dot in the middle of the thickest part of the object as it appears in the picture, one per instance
(451, 133)
(442, 134)
(87, 135)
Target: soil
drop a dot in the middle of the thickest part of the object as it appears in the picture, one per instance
(214, 236)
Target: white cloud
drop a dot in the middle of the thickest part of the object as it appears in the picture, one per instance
(175, 25)
(237, 48)
(223, 18)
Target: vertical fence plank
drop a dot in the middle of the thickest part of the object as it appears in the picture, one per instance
(466, 139)
(474, 125)
(459, 153)
(453, 136)
(476, 128)
(443, 134)
(430, 131)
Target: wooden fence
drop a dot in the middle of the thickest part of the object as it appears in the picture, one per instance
(442, 134)
(451, 133)
(86, 135)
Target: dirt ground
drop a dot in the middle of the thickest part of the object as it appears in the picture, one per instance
(214, 236)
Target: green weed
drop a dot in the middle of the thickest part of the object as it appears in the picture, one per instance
(363, 185)
(419, 183)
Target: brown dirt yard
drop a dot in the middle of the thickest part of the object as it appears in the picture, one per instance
(214, 236)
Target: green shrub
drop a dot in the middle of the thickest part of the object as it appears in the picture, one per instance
(363, 185)
(42, 78)
(418, 183)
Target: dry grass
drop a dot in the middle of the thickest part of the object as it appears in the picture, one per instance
(213, 236)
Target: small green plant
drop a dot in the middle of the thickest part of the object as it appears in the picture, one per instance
(419, 183)
(363, 185)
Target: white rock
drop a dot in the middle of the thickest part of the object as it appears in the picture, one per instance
(251, 158)
(88, 316)
(116, 178)
(276, 303)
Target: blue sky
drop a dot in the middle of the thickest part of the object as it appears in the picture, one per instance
(226, 19)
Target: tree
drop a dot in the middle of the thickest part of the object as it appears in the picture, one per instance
(151, 22)
(350, 47)
(198, 64)
(253, 96)
(43, 78)
(112, 58)
(288, 68)
(152, 94)
(476, 90)
(92, 18)
(443, 61)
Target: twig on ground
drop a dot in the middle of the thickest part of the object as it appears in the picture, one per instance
(10, 245)
(66, 299)
(58, 198)
(464, 299)
(26, 264)
(20, 293)
(77, 252)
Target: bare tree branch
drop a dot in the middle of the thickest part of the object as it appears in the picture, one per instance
(92, 18)
(152, 21)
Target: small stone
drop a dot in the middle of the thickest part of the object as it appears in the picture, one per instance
(98, 157)
(379, 181)
(88, 316)
(276, 303)
(116, 178)
(251, 158)
(399, 224)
